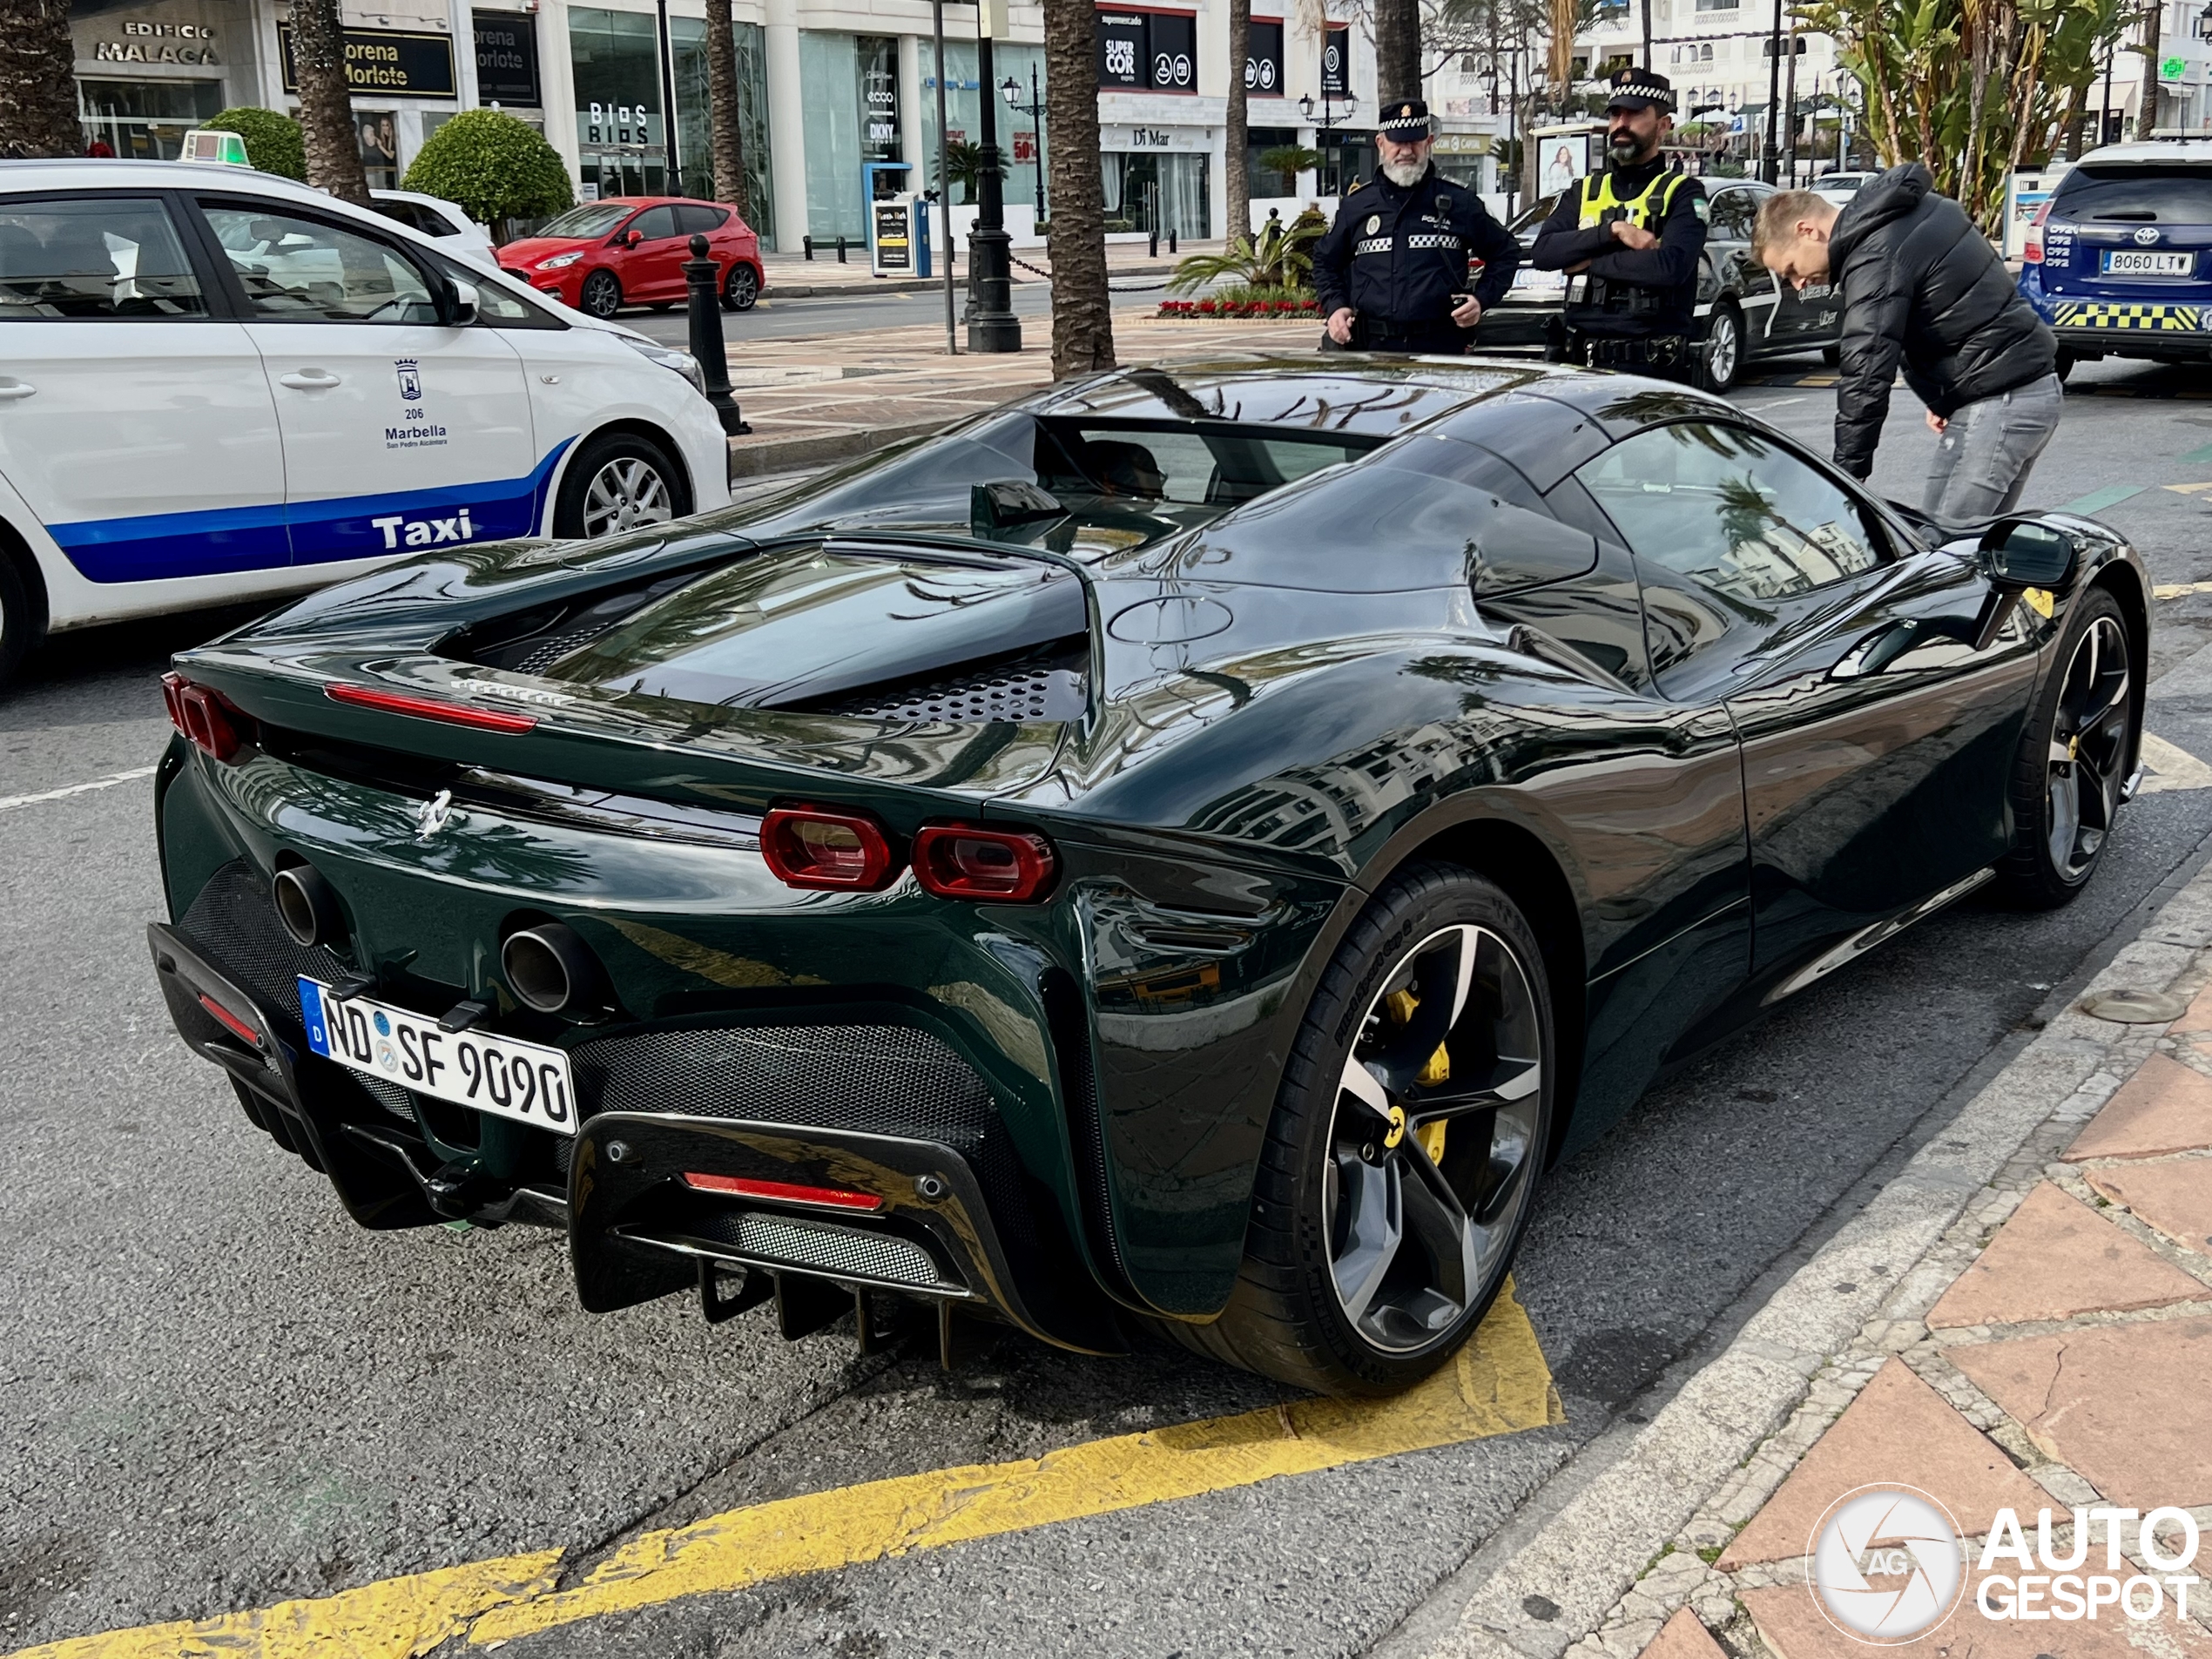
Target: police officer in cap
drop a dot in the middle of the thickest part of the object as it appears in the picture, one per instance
(1392, 273)
(1630, 237)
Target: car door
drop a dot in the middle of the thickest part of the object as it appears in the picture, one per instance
(1877, 742)
(135, 421)
(400, 431)
(654, 269)
(1770, 318)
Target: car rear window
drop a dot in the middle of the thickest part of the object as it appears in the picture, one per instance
(1191, 464)
(2162, 194)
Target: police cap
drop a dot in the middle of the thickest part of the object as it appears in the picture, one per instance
(1405, 120)
(1641, 89)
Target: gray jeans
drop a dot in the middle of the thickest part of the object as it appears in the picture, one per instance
(1987, 450)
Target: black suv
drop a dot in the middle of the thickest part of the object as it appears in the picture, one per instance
(1743, 314)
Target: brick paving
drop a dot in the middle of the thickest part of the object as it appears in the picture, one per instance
(2054, 1352)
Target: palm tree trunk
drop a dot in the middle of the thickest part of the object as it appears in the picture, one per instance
(2146, 107)
(1397, 49)
(727, 156)
(1082, 316)
(1237, 210)
(326, 101)
(38, 89)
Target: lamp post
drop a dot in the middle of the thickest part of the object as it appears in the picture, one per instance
(672, 166)
(1035, 110)
(1327, 122)
(992, 325)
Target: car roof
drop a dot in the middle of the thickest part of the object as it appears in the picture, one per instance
(2152, 152)
(106, 172)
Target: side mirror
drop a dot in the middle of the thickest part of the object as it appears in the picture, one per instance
(461, 311)
(2021, 553)
(631, 238)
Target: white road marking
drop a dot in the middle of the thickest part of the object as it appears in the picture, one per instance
(2171, 767)
(8, 802)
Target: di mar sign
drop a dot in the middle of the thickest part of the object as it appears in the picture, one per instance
(398, 62)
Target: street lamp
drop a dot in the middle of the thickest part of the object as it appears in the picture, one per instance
(1328, 122)
(992, 325)
(1011, 88)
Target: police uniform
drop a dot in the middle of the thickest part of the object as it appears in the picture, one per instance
(1398, 254)
(1629, 308)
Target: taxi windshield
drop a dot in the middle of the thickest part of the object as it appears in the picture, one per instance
(592, 219)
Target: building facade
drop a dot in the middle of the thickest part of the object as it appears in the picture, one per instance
(839, 97)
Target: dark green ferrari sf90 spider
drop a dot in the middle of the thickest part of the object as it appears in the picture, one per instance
(1184, 851)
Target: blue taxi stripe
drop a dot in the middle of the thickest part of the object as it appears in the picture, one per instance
(150, 546)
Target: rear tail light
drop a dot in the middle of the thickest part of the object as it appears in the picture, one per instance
(842, 852)
(230, 1021)
(738, 1186)
(2031, 248)
(203, 716)
(1009, 866)
(431, 708)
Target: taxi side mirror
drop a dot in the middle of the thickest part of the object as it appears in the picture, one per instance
(461, 304)
(2021, 553)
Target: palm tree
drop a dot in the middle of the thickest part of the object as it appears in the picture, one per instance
(326, 101)
(37, 90)
(1083, 315)
(1237, 209)
(726, 157)
(1397, 49)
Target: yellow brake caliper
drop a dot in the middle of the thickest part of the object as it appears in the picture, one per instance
(1400, 1005)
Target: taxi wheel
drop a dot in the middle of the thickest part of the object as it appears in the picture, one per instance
(601, 295)
(619, 481)
(18, 626)
(1723, 355)
(740, 288)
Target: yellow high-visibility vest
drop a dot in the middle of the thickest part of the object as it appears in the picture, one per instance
(1644, 212)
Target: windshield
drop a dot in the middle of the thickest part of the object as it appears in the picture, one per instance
(2158, 193)
(1531, 218)
(592, 219)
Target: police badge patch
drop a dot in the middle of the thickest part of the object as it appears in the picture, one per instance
(1374, 223)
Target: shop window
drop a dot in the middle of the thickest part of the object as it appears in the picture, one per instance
(621, 128)
(1147, 191)
(963, 118)
(143, 120)
(104, 259)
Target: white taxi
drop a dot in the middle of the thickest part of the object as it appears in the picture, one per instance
(216, 386)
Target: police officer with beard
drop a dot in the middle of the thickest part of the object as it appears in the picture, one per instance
(1392, 273)
(1630, 237)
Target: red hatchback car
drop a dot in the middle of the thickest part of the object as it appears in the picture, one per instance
(629, 250)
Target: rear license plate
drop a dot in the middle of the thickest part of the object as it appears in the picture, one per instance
(2128, 261)
(527, 1082)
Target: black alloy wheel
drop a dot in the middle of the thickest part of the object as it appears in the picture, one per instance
(741, 288)
(2073, 762)
(19, 620)
(619, 481)
(1721, 361)
(1406, 1147)
(601, 296)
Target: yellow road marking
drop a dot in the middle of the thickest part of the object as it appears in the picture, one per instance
(2171, 766)
(1498, 1385)
(2190, 490)
(2163, 590)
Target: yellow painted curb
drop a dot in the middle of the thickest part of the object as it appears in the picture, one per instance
(1498, 1385)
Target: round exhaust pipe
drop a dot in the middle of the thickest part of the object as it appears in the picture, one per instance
(551, 969)
(307, 906)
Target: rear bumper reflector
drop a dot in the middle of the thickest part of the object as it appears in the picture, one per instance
(738, 1186)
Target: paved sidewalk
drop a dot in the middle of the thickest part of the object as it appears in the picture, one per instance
(793, 276)
(2049, 1350)
(814, 400)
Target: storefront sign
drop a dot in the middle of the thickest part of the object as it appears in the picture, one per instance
(877, 58)
(617, 126)
(1463, 144)
(507, 58)
(1148, 51)
(1122, 57)
(397, 62)
(1174, 50)
(143, 42)
(891, 236)
(1263, 61)
(1025, 146)
(1336, 60)
(1152, 139)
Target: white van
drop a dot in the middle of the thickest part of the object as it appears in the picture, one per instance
(216, 385)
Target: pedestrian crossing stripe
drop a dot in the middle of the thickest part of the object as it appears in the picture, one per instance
(2145, 315)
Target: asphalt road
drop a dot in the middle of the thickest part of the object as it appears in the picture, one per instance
(841, 313)
(221, 1394)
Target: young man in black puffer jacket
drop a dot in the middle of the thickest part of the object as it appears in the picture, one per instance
(1919, 281)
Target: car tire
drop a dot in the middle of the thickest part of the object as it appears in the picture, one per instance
(1720, 360)
(664, 305)
(619, 481)
(2083, 732)
(18, 619)
(601, 295)
(1349, 1284)
(741, 287)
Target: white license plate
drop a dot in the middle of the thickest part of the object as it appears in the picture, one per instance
(527, 1082)
(2128, 261)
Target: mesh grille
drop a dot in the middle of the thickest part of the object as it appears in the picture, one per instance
(547, 652)
(233, 923)
(1037, 691)
(873, 1078)
(842, 1250)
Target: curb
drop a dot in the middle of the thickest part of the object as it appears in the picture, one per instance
(756, 460)
(1610, 1547)
(774, 290)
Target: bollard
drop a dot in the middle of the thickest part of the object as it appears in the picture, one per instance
(807, 242)
(1154, 247)
(1171, 244)
(703, 278)
(840, 250)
